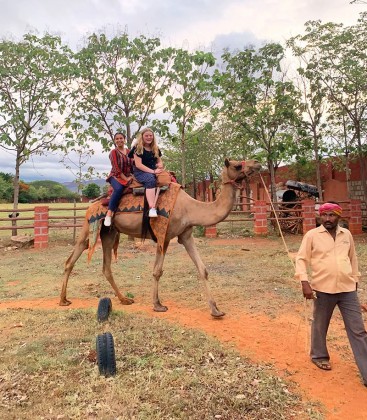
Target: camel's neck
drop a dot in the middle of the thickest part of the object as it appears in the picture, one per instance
(207, 214)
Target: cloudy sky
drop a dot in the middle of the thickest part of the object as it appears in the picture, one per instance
(209, 24)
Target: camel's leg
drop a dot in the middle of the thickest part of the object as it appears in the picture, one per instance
(187, 240)
(80, 246)
(108, 238)
(157, 274)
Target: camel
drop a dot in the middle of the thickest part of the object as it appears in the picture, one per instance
(186, 214)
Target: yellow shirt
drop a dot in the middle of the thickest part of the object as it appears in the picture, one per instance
(333, 264)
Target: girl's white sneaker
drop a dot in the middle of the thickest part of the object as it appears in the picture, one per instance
(153, 212)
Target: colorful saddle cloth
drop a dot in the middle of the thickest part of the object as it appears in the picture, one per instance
(134, 204)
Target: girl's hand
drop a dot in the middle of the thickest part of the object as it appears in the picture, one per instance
(158, 171)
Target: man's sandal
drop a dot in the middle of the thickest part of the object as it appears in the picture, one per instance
(322, 364)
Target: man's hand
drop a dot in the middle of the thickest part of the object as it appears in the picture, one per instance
(307, 291)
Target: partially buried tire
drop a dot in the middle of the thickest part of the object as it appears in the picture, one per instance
(105, 349)
(104, 309)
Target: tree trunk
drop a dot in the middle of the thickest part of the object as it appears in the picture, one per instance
(128, 136)
(183, 159)
(194, 187)
(14, 231)
(347, 161)
(317, 160)
(212, 186)
(273, 194)
(362, 164)
(246, 206)
(204, 189)
(347, 174)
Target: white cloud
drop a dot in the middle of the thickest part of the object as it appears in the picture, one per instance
(209, 24)
(191, 22)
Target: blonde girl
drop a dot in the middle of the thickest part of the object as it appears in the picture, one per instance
(148, 164)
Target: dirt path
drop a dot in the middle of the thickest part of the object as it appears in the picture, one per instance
(280, 341)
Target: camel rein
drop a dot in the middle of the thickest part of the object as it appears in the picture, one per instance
(237, 185)
(306, 308)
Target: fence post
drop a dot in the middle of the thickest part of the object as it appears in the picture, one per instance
(355, 217)
(41, 227)
(211, 231)
(260, 218)
(309, 217)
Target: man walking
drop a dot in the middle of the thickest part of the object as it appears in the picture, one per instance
(328, 252)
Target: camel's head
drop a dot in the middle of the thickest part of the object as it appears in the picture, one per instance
(237, 170)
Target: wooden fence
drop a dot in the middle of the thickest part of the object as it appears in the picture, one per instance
(299, 219)
(39, 221)
(260, 213)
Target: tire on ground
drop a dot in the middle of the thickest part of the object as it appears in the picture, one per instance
(104, 309)
(106, 359)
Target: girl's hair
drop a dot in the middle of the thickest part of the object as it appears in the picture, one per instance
(116, 134)
(140, 146)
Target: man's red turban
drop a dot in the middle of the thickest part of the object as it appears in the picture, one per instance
(331, 207)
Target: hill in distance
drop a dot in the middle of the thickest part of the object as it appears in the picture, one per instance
(72, 186)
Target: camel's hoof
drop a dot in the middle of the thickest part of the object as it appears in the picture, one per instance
(218, 314)
(64, 302)
(126, 301)
(160, 308)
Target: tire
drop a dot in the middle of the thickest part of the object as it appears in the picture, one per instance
(105, 349)
(104, 309)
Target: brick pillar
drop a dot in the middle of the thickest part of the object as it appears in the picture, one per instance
(309, 217)
(355, 220)
(211, 231)
(41, 227)
(260, 216)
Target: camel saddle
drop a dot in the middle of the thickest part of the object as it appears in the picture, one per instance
(131, 203)
(164, 179)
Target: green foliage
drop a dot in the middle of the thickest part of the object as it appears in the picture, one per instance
(33, 192)
(248, 108)
(261, 103)
(335, 61)
(91, 190)
(6, 187)
(193, 90)
(32, 72)
(45, 191)
(199, 231)
(118, 83)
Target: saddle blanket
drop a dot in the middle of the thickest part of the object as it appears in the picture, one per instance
(131, 203)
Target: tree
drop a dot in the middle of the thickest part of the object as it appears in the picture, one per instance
(44, 190)
(91, 190)
(261, 103)
(118, 83)
(32, 73)
(313, 110)
(6, 187)
(29, 194)
(338, 59)
(191, 98)
(76, 163)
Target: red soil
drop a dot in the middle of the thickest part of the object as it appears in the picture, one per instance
(281, 341)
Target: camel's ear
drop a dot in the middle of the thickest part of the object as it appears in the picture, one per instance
(226, 162)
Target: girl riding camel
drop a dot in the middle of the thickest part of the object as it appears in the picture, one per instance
(147, 164)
